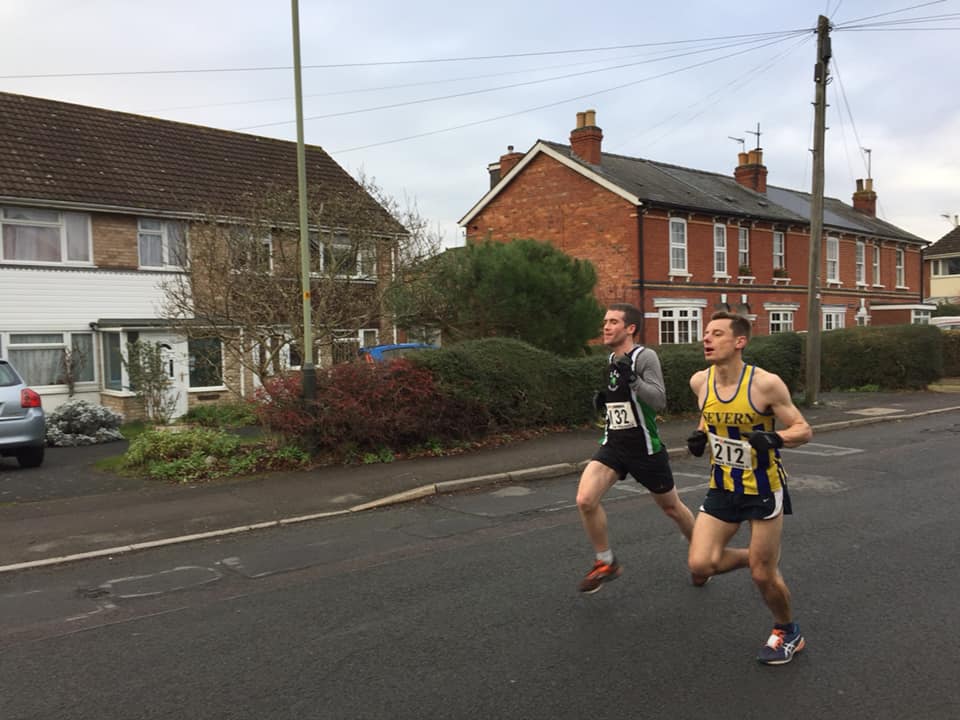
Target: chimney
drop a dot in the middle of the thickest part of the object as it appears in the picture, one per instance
(586, 138)
(865, 199)
(506, 164)
(751, 172)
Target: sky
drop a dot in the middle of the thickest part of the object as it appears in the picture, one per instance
(423, 95)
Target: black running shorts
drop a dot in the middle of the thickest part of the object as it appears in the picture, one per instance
(651, 471)
(736, 507)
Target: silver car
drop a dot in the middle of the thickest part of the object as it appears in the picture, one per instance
(23, 426)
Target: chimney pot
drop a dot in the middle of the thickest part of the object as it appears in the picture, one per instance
(859, 184)
(581, 119)
(742, 158)
(586, 139)
(751, 172)
(590, 118)
(869, 184)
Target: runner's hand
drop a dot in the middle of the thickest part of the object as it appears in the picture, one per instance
(764, 441)
(625, 368)
(697, 442)
(600, 401)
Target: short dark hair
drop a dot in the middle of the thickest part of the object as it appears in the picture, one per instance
(738, 323)
(631, 314)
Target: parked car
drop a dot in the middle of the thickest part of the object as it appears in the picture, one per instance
(383, 353)
(23, 425)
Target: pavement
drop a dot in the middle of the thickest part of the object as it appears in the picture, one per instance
(68, 510)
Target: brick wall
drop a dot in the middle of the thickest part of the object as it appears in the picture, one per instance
(115, 241)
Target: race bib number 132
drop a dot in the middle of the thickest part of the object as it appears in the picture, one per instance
(620, 416)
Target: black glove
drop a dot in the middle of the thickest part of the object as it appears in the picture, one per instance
(625, 368)
(600, 401)
(764, 441)
(697, 442)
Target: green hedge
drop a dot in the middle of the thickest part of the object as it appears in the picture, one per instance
(951, 353)
(891, 357)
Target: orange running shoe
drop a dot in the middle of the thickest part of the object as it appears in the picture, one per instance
(599, 574)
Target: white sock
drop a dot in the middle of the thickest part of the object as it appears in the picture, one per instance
(605, 557)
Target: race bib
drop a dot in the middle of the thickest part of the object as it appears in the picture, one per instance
(620, 416)
(734, 453)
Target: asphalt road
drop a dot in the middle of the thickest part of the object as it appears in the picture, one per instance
(465, 607)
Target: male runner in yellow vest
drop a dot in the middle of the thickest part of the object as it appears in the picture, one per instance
(740, 405)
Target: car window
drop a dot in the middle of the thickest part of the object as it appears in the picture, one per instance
(7, 376)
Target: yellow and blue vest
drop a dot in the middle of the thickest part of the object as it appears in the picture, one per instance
(730, 419)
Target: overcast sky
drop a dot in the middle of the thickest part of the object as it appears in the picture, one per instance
(893, 91)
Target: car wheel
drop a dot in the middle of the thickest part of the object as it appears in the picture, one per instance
(31, 457)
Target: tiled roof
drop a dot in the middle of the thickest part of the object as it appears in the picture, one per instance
(95, 158)
(672, 185)
(949, 244)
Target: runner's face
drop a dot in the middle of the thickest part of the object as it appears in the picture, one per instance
(719, 343)
(615, 331)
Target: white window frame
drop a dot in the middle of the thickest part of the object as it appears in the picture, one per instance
(920, 317)
(678, 246)
(861, 271)
(901, 272)
(876, 265)
(833, 259)
(779, 250)
(66, 342)
(743, 248)
(720, 251)
(169, 261)
(60, 224)
(781, 321)
(946, 267)
(833, 317)
(682, 315)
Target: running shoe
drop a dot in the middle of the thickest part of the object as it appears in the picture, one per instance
(781, 647)
(600, 573)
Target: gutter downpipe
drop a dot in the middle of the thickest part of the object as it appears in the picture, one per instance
(640, 266)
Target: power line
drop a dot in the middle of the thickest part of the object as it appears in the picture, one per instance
(558, 102)
(329, 66)
(468, 93)
(896, 12)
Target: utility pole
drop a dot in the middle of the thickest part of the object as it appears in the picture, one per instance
(820, 75)
(308, 369)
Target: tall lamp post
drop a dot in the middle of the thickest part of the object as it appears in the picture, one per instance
(308, 369)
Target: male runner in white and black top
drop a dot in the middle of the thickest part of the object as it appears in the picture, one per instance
(631, 443)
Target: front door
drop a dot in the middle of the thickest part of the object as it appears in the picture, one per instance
(173, 351)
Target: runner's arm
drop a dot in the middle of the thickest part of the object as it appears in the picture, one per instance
(698, 383)
(794, 429)
(649, 386)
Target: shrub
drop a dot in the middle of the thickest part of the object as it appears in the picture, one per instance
(782, 354)
(203, 454)
(234, 414)
(951, 353)
(78, 422)
(891, 357)
(679, 362)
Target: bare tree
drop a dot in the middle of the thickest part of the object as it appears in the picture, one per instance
(242, 280)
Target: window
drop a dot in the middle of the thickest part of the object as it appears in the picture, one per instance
(833, 319)
(920, 317)
(861, 263)
(743, 248)
(112, 361)
(947, 266)
(42, 358)
(250, 251)
(781, 321)
(34, 235)
(343, 256)
(779, 250)
(678, 245)
(833, 259)
(679, 325)
(876, 264)
(901, 280)
(347, 343)
(720, 250)
(161, 243)
(205, 356)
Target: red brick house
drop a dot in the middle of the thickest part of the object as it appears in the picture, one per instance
(679, 242)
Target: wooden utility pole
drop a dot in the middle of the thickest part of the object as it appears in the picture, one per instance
(820, 75)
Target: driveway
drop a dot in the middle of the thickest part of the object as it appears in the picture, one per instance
(66, 472)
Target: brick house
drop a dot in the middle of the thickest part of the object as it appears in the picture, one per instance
(97, 209)
(680, 243)
(941, 263)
